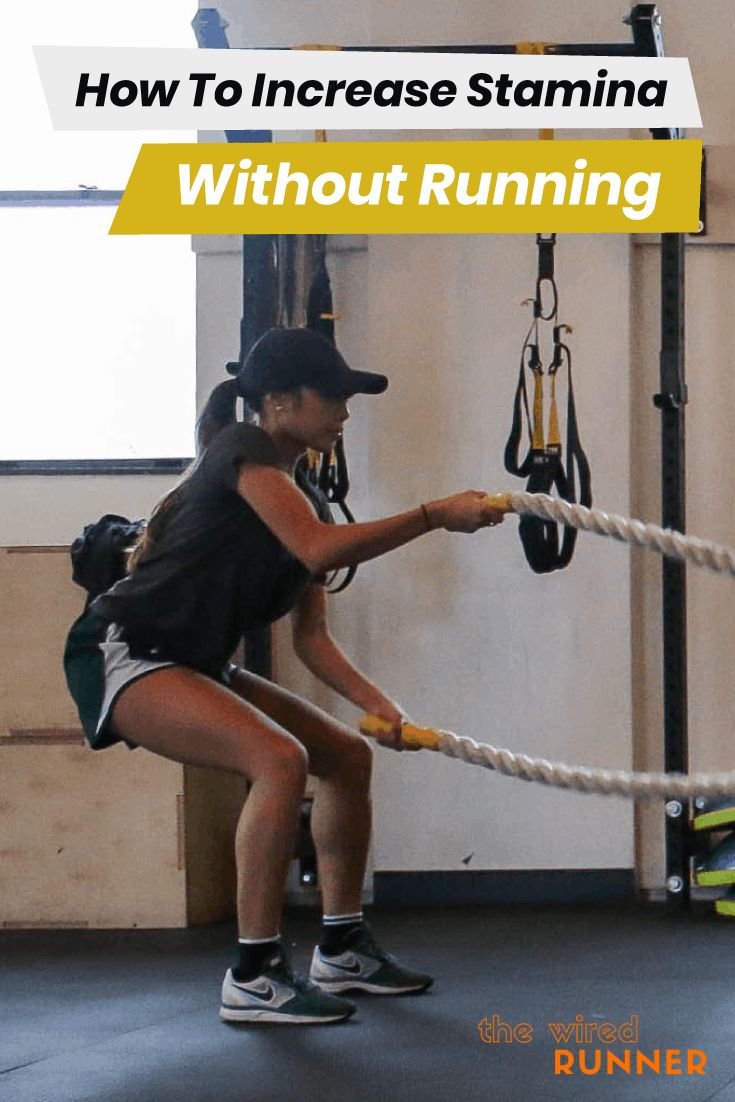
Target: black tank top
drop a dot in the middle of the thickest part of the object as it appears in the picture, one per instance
(216, 570)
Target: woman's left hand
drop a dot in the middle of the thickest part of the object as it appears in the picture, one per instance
(391, 713)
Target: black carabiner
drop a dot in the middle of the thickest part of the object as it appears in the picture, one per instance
(533, 362)
(559, 348)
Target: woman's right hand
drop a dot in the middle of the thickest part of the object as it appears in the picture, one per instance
(465, 512)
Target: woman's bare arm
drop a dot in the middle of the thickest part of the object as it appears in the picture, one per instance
(319, 546)
(322, 656)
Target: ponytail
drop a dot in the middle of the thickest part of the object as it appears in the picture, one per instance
(152, 530)
(219, 412)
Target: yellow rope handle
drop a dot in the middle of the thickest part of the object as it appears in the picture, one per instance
(501, 502)
(412, 735)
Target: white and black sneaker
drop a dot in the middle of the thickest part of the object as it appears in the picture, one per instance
(278, 996)
(363, 966)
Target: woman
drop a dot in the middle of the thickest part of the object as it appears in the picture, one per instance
(235, 545)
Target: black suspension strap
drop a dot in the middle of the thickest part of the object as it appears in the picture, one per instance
(328, 471)
(547, 466)
(333, 480)
(319, 308)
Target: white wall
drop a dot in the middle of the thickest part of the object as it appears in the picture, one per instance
(48, 511)
(460, 628)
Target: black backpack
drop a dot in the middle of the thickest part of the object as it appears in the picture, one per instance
(99, 555)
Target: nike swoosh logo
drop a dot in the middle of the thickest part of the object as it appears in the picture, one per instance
(351, 969)
(266, 996)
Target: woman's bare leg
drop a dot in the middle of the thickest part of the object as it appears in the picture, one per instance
(192, 719)
(341, 760)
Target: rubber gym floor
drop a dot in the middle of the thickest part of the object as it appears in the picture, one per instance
(131, 1016)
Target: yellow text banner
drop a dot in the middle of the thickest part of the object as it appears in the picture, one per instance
(626, 186)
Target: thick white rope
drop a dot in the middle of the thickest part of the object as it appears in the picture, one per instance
(674, 545)
(638, 786)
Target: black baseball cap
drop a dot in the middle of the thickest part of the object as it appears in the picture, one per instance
(285, 359)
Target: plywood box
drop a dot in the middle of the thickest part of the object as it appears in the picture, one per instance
(115, 838)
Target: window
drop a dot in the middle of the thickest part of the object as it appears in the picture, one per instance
(97, 333)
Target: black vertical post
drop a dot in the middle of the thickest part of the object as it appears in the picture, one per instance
(259, 288)
(645, 23)
(672, 401)
(259, 313)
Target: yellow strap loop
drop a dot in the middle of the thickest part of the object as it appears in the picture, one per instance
(554, 434)
(538, 411)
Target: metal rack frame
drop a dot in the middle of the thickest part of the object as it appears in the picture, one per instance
(645, 23)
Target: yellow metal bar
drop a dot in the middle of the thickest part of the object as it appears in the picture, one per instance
(533, 47)
(319, 135)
